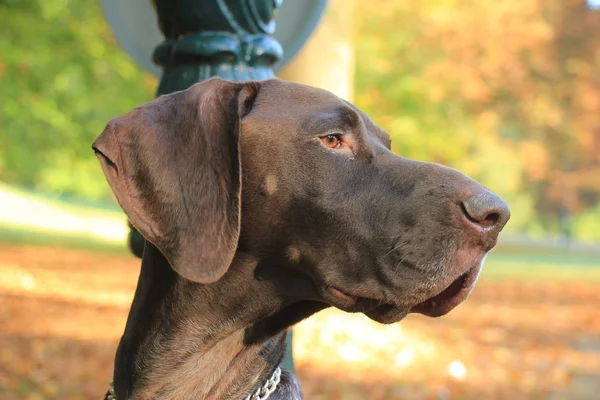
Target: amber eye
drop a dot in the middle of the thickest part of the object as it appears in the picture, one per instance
(332, 141)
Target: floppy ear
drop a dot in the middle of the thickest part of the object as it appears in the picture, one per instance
(174, 167)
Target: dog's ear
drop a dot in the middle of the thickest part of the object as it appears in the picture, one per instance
(174, 166)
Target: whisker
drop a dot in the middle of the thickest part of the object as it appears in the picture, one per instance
(393, 249)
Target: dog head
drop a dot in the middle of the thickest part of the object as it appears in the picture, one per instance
(299, 177)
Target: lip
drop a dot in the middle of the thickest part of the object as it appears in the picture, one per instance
(384, 313)
(348, 302)
(387, 313)
(445, 301)
(436, 306)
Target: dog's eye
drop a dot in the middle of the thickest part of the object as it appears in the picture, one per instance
(332, 141)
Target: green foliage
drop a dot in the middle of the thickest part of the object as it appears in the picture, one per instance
(63, 78)
(586, 225)
(506, 92)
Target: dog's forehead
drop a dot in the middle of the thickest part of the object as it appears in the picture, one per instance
(310, 109)
(284, 97)
(306, 108)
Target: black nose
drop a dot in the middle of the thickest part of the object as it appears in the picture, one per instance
(487, 210)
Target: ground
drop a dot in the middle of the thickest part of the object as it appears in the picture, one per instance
(530, 330)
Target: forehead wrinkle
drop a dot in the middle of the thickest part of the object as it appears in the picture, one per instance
(381, 135)
(372, 127)
(340, 117)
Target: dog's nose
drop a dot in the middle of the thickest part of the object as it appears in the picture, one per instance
(486, 210)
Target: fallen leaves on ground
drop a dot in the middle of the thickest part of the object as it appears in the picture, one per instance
(63, 312)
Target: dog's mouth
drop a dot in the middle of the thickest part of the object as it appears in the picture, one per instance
(449, 298)
(436, 306)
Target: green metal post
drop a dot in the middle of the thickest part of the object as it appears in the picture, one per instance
(206, 38)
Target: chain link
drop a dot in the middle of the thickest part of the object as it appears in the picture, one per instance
(111, 393)
(261, 393)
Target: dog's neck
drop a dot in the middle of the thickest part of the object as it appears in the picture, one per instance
(185, 340)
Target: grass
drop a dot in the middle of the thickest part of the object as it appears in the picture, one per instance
(18, 236)
(541, 264)
(30, 218)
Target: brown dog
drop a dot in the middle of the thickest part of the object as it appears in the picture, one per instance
(262, 203)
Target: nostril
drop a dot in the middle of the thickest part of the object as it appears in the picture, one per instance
(466, 213)
(490, 220)
(486, 210)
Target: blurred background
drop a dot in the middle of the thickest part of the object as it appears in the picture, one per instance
(506, 91)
